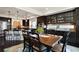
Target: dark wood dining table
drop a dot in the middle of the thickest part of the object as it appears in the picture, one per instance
(49, 40)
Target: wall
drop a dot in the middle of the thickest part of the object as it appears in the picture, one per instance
(33, 23)
(13, 19)
(15, 25)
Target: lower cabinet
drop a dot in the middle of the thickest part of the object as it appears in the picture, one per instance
(72, 39)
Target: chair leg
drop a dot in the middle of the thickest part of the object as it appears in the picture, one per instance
(30, 49)
(48, 49)
(23, 48)
(64, 48)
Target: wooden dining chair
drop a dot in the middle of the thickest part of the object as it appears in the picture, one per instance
(66, 41)
(61, 47)
(36, 44)
(27, 42)
(57, 48)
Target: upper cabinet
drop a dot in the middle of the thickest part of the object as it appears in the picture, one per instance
(60, 18)
(51, 19)
(69, 17)
(64, 17)
(41, 19)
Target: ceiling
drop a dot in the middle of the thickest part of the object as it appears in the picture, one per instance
(12, 12)
(29, 12)
(51, 10)
(46, 9)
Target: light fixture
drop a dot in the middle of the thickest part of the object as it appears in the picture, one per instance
(8, 20)
(9, 12)
(17, 14)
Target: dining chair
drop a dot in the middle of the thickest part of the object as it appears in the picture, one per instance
(61, 47)
(66, 41)
(27, 42)
(37, 46)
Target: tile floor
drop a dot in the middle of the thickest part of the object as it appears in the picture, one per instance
(20, 48)
(72, 49)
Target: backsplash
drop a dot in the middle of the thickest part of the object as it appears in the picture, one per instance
(60, 27)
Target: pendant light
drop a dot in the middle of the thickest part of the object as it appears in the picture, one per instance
(17, 14)
(9, 12)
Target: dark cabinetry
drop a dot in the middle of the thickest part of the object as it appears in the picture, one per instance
(41, 19)
(60, 18)
(65, 17)
(51, 19)
(69, 17)
(5, 23)
(25, 22)
(72, 38)
(77, 25)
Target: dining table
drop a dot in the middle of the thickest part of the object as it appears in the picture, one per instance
(49, 40)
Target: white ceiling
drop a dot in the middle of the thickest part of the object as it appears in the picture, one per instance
(4, 11)
(51, 10)
(46, 9)
(29, 12)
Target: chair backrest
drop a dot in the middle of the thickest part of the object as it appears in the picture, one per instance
(34, 37)
(31, 34)
(65, 43)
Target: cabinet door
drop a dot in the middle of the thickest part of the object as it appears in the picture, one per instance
(77, 26)
(60, 18)
(41, 19)
(25, 22)
(51, 19)
(69, 17)
(77, 30)
(48, 19)
(72, 37)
